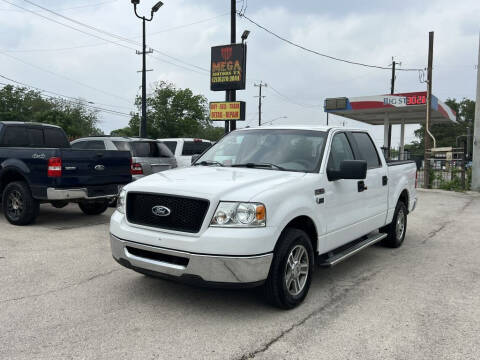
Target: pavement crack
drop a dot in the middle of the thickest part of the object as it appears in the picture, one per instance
(53, 291)
(434, 232)
(332, 302)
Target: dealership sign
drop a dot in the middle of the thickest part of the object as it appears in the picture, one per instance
(227, 71)
(225, 111)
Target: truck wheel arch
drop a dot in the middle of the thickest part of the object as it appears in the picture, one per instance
(305, 223)
(7, 175)
(404, 197)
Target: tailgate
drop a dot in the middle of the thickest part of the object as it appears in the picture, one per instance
(94, 167)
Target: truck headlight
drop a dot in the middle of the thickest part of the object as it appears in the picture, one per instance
(121, 201)
(239, 214)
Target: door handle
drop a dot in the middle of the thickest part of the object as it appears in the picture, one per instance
(384, 180)
(361, 186)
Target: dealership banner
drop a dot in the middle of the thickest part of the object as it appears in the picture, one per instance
(228, 64)
(225, 111)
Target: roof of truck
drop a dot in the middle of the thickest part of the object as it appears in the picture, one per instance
(27, 123)
(303, 127)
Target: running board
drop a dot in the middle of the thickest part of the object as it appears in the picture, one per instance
(345, 254)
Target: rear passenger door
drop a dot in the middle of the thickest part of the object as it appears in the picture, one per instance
(374, 203)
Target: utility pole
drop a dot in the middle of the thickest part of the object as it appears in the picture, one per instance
(476, 133)
(144, 52)
(260, 100)
(231, 95)
(428, 134)
(392, 91)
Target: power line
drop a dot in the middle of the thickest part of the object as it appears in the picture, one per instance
(293, 101)
(65, 77)
(119, 37)
(186, 25)
(75, 7)
(86, 103)
(242, 15)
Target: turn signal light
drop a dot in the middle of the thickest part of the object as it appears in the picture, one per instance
(54, 167)
(136, 169)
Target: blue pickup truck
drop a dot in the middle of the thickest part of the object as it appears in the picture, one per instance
(37, 165)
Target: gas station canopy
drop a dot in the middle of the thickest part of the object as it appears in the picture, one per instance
(387, 110)
(406, 108)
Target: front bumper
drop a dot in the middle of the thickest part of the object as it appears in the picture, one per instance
(184, 266)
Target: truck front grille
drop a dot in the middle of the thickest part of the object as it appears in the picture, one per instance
(185, 214)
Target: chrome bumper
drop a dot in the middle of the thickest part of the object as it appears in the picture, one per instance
(209, 268)
(72, 194)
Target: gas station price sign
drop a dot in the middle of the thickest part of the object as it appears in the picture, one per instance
(416, 100)
(227, 110)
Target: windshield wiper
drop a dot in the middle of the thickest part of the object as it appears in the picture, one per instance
(259, 165)
(208, 163)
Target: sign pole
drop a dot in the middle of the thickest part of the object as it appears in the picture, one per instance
(233, 40)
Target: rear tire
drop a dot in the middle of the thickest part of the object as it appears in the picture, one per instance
(19, 207)
(291, 271)
(93, 207)
(397, 229)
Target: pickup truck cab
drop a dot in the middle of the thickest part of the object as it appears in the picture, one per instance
(38, 166)
(283, 200)
(185, 148)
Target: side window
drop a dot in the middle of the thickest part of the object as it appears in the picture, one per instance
(366, 149)
(55, 138)
(164, 151)
(194, 147)
(122, 145)
(94, 145)
(35, 137)
(340, 151)
(79, 145)
(15, 136)
(172, 145)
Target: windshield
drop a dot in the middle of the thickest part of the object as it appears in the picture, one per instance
(291, 150)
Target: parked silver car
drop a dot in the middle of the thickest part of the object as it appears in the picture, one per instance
(148, 156)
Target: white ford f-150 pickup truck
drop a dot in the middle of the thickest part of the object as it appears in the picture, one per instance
(262, 207)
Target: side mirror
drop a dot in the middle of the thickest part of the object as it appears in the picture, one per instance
(349, 169)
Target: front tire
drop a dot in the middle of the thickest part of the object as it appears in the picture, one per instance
(19, 207)
(291, 271)
(397, 229)
(93, 207)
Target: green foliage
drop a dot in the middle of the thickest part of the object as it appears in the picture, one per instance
(446, 134)
(22, 104)
(173, 113)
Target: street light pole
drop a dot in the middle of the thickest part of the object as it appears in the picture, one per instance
(143, 122)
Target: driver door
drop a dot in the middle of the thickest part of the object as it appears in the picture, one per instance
(342, 198)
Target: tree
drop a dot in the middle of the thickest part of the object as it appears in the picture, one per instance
(173, 113)
(446, 134)
(22, 104)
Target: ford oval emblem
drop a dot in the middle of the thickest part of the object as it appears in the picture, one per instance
(160, 210)
(99, 167)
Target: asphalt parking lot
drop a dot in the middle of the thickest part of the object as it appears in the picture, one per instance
(63, 297)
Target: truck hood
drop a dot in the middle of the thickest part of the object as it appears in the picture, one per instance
(214, 183)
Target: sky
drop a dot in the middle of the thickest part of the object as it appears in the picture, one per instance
(46, 51)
